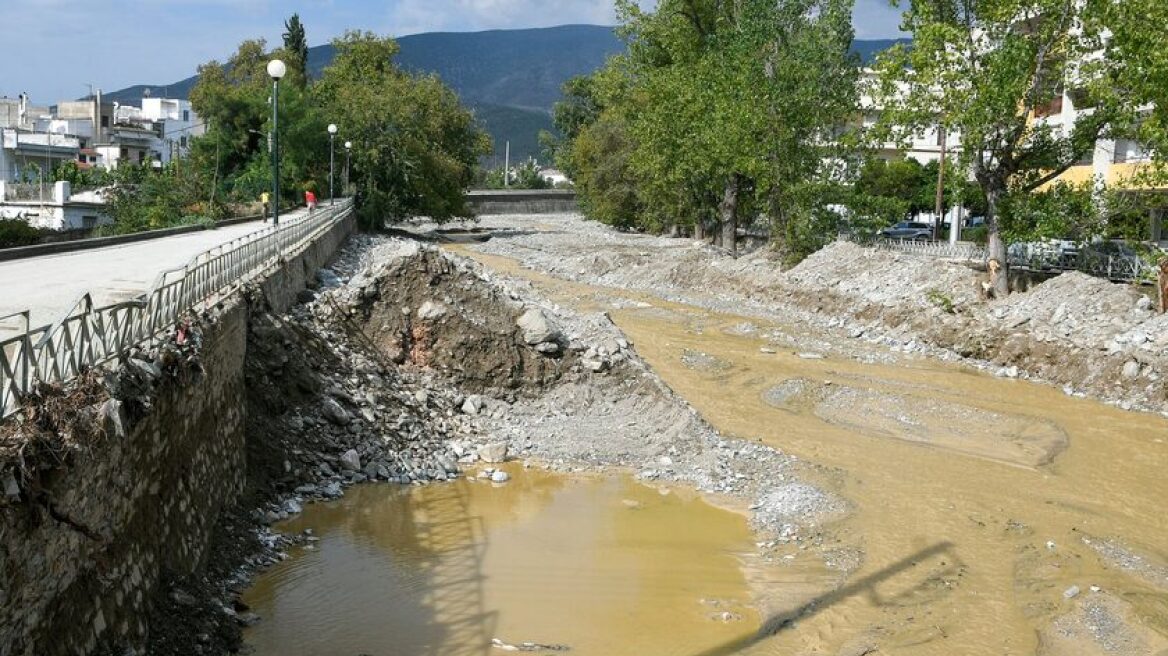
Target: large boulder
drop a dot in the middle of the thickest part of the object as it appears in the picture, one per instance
(351, 461)
(537, 327)
(493, 453)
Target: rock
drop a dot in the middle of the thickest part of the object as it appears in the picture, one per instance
(113, 418)
(493, 453)
(548, 347)
(596, 366)
(350, 461)
(537, 327)
(500, 477)
(1144, 304)
(11, 487)
(810, 356)
(292, 507)
(328, 278)
(148, 369)
(332, 490)
(472, 405)
(422, 396)
(1071, 592)
(767, 349)
(431, 311)
(334, 412)
(1131, 370)
(182, 597)
(305, 296)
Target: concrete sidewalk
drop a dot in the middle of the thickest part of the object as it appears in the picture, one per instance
(49, 285)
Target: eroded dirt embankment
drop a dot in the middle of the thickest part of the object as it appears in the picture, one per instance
(1083, 334)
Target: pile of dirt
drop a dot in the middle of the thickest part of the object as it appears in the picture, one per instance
(867, 276)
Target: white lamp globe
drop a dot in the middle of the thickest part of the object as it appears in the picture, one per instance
(348, 145)
(277, 69)
(332, 128)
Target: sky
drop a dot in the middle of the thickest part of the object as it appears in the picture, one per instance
(64, 46)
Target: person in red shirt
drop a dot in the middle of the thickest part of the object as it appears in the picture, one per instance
(310, 200)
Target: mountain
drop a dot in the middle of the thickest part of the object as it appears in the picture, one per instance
(511, 78)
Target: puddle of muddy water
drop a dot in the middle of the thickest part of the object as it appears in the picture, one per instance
(978, 503)
(601, 564)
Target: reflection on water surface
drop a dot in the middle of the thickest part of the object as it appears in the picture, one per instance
(603, 565)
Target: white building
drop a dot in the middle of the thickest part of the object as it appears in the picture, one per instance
(173, 121)
(54, 207)
(24, 154)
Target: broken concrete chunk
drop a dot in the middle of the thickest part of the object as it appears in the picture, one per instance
(537, 327)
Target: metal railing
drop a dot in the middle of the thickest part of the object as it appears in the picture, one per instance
(88, 336)
(1122, 267)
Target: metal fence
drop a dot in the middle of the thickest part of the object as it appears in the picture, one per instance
(1117, 267)
(88, 336)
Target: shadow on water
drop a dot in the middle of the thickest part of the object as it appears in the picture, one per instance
(867, 585)
(456, 542)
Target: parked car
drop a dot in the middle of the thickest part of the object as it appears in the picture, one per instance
(908, 230)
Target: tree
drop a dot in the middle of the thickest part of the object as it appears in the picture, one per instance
(725, 109)
(296, 44)
(990, 70)
(415, 146)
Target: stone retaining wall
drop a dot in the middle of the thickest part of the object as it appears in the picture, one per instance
(82, 557)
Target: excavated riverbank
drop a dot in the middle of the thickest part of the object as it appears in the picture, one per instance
(407, 365)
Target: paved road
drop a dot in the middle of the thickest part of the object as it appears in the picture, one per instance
(49, 285)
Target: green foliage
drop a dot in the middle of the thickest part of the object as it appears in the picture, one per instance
(143, 199)
(296, 45)
(17, 232)
(524, 176)
(941, 300)
(415, 147)
(714, 101)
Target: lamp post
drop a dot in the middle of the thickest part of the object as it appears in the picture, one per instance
(332, 130)
(276, 69)
(348, 153)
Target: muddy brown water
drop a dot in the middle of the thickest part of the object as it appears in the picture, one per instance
(975, 501)
(598, 564)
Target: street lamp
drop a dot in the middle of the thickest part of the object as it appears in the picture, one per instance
(348, 153)
(332, 130)
(276, 70)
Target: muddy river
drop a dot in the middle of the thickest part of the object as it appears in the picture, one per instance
(987, 516)
(600, 565)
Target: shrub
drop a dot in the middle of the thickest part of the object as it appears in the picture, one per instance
(16, 232)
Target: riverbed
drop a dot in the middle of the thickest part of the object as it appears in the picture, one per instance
(985, 516)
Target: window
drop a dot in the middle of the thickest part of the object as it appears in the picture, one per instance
(187, 115)
(89, 222)
(105, 121)
(1127, 150)
(123, 153)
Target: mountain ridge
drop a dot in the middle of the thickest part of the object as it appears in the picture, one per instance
(511, 78)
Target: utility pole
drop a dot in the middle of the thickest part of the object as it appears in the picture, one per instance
(507, 166)
(940, 186)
